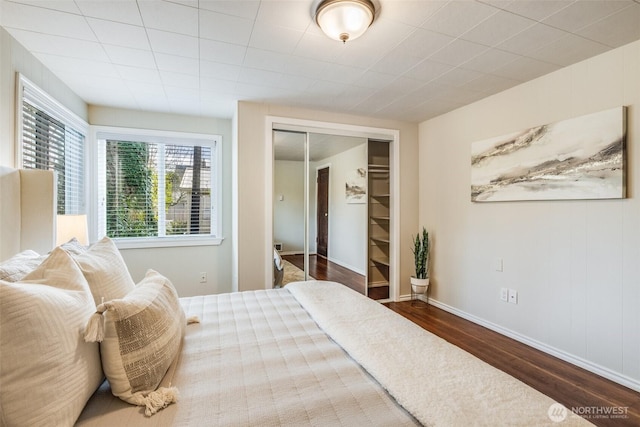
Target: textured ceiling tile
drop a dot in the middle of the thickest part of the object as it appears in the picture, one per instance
(277, 39)
(243, 9)
(458, 17)
(174, 44)
(225, 28)
(458, 52)
(584, 12)
(46, 21)
(534, 9)
(119, 34)
(531, 39)
(128, 56)
(615, 30)
(568, 50)
(226, 53)
(170, 17)
(126, 12)
(496, 28)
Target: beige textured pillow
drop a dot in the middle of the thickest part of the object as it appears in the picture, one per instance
(18, 266)
(105, 270)
(140, 340)
(47, 371)
(74, 247)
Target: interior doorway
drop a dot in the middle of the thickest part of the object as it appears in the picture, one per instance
(322, 233)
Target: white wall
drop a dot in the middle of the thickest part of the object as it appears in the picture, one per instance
(251, 204)
(15, 58)
(288, 214)
(575, 264)
(347, 221)
(182, 265)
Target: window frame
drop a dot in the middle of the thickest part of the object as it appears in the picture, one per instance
(102, 133)
(57, 111)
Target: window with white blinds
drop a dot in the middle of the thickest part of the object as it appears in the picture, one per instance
(158, 186)
(51, 137)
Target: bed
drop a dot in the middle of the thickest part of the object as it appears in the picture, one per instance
(310, 353)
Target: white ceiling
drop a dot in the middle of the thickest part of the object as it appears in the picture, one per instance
(419, 59)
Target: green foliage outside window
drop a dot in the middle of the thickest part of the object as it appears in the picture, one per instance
(130, 196)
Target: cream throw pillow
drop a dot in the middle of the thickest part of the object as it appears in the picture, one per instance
(18, 266)
(47, 371)
(140, 340)
(105, 270)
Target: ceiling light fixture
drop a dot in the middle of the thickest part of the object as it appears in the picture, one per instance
(344, 20)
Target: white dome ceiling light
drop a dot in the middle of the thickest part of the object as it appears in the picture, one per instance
(344, 20)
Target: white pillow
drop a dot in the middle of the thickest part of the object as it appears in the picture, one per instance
(105, 270)
(141, 339)
(47, 371)
(74, 247)
(18, 266)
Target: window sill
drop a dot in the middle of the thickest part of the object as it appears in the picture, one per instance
(166, 242)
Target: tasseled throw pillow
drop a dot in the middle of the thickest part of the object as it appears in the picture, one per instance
(140, 339)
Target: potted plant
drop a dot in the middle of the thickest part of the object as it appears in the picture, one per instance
(420, 282)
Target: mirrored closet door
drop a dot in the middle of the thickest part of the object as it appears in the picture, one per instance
(322, 212)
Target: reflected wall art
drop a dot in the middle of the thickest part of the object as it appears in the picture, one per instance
(579, 158)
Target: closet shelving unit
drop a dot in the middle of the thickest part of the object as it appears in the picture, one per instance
(379, 218)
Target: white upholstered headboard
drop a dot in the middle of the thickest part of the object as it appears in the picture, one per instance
(27, 211)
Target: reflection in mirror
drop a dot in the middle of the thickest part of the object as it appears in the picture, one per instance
(289, 206)
(336, 219)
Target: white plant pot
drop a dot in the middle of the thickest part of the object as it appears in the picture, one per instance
(419, 286)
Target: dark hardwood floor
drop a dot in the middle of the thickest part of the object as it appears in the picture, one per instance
(570, 385)
(322, 269)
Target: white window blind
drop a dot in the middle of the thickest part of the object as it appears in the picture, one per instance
(53, 138)
(158, 187)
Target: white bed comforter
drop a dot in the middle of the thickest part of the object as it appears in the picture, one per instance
(259, 359)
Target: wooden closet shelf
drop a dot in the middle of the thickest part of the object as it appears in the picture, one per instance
(381, 239)
(380, 260)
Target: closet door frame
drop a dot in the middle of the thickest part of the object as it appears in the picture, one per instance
(392, 135)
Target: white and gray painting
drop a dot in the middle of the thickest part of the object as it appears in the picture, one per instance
(356, 186)
(579, 158)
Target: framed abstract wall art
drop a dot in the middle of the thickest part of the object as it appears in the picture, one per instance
(578, 158)
(356, 186)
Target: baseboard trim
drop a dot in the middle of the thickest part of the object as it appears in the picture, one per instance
(560, 354)
(347, 266)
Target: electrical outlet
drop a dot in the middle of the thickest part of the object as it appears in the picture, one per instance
(498, 264)
(513, 296)
(203, 277)
(504, 294)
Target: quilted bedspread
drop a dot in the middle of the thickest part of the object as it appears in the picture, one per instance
(258, 359)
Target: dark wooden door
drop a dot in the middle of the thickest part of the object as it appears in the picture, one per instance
(322, 238)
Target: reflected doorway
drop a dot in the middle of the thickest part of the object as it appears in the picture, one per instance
(322, 233)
